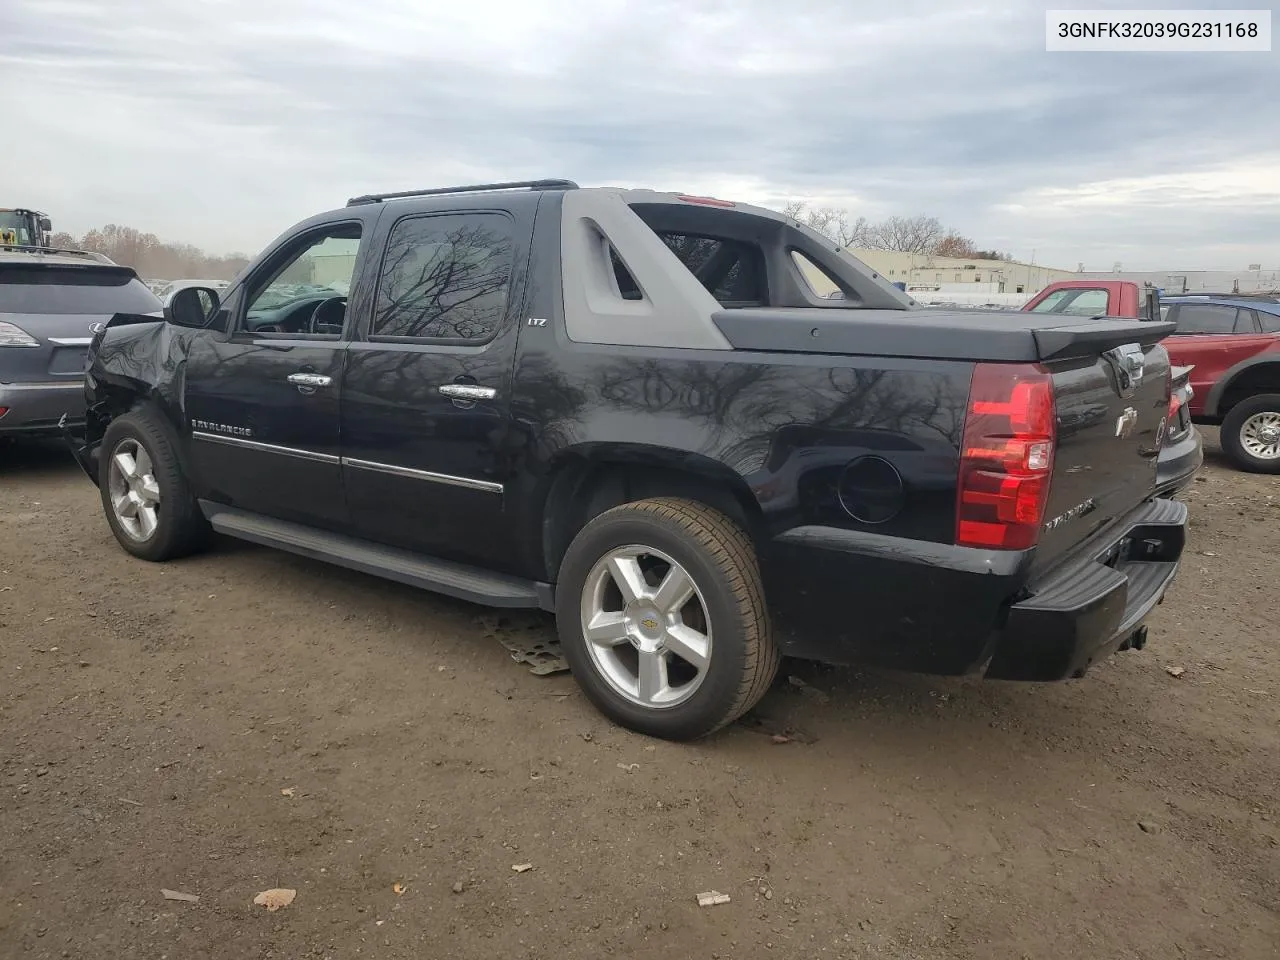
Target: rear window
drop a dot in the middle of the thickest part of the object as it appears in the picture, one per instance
(1074, 302)
(73, 290)
(732, 271)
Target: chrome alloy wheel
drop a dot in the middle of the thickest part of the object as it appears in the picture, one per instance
(134, 492)
(646, 626)
(1260, 435)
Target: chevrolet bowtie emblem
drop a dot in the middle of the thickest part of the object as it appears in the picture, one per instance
(1126, 421)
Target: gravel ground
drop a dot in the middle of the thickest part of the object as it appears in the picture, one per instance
(247, 720)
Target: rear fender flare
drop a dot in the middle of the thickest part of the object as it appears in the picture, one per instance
(1214, 398)
(585, 480)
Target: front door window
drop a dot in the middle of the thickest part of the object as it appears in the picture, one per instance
(305, 293)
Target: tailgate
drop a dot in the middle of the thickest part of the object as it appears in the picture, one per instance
(61, 343)
(1111, 410)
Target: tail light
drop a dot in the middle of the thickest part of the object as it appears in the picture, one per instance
(1174, 426)
(3, 411)
(1006, 458)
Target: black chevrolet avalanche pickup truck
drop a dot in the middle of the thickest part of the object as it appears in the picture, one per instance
(699, 433)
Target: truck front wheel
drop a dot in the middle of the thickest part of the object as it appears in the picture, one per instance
(1250, 434)
(145, 496)
(662, 618)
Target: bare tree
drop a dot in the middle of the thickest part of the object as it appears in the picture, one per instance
(954, 245)
(908, 234)
(152, 257)
(831, 222)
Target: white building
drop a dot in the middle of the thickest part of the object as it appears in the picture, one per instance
(929, 273)
(1171, 282)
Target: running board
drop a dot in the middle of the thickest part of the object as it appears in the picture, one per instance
(391, 563)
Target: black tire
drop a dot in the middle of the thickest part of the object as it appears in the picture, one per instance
(1234, 423)
(721, 561)
(180, 527)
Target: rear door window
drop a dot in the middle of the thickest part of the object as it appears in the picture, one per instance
(73, 290)
(445, 277)
(1205, 318)
(1246, 322)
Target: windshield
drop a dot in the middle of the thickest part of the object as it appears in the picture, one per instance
(14, 229)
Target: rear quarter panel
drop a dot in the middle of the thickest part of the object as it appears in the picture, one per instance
(784, 426)
(1213, 356)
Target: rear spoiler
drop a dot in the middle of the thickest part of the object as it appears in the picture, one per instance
(1097, 336)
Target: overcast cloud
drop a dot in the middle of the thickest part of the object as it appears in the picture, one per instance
(221, 123)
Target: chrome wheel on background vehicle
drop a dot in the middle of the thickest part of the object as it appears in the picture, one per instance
(133, 490)
(1260, 435)
(646, 626)
(1250, 433)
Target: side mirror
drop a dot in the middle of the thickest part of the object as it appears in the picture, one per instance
(192, 307)
(46, 225)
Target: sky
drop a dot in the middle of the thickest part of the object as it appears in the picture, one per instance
(221, 123)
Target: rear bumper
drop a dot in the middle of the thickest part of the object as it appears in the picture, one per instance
(34, 409)
(1087, 609)
(846, 596)
(1178, 463)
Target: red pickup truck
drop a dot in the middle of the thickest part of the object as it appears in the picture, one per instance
(1231, 342)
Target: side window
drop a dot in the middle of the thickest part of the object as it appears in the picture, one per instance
(1205, 318)
(628, 289)
(1270, 321)
(1245, 322)
(819, 282)
(445, 278)
(304, 293)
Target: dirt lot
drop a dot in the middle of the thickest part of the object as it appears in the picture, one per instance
(246, 720)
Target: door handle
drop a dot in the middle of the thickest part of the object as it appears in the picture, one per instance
(467, 391)
(310, 379)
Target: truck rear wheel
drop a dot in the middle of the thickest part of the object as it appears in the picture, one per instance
(661, 614)
(1250, 434)
(145, 496)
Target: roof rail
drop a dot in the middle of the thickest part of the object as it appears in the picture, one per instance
(1267, 295)
(60, 251)
(473, 188)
